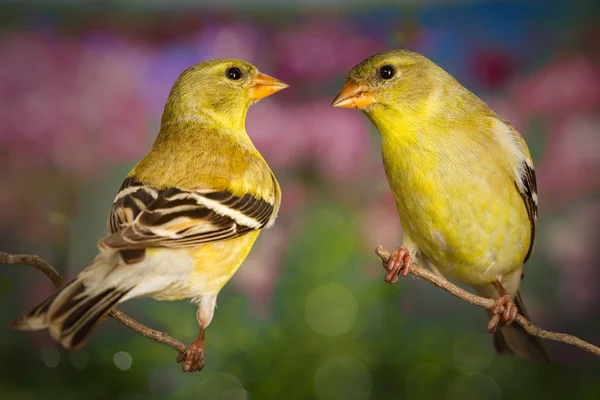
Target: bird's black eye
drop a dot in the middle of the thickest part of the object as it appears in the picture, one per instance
(387, 72)
(233, 73)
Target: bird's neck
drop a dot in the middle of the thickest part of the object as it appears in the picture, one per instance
(196, 132)
(396, 126)
(412, 142)
(232, 121)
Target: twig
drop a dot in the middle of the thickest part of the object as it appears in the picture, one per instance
(489, 304)
(58, 280)
(157, 336)
(164, 338)
(36, 262)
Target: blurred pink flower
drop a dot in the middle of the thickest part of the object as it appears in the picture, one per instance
(493, 67)
(322, 49)
(571, 160)
(77, 108)
(292, 134)
(232, 40)
(278, 132)
(563, 86)
(566, 94)
(71, 108)
(572, 243)
(341, 140)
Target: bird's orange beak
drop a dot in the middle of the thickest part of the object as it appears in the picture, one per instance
(353, 95)
(264, 85)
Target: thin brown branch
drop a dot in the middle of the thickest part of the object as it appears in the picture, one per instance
(488, 304)
(58, 280)
(36, 262)
(164, 338)
(157, 336)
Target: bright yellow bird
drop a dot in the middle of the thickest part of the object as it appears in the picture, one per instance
(185, 217)
(462, 178)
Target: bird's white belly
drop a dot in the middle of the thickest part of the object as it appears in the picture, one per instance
(172, 274)
(165, 275)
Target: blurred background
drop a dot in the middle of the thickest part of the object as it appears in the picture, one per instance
(308, 316)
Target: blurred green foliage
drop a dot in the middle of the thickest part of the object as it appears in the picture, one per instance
(333, 334)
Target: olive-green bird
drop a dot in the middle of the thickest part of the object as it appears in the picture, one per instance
(462, 178)
(186, 216)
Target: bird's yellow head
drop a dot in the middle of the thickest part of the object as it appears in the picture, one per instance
(221, 90)
(389, 80)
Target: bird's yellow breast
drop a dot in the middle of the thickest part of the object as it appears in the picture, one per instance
(201, 270)
(464, 214)
(216, 262)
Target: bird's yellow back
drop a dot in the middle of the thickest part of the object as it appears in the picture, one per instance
(193, 154)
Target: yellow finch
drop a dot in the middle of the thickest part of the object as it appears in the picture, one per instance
(462, 178)
(185, 217)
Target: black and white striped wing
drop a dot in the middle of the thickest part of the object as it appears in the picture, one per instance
(180, 218)
(133, 198)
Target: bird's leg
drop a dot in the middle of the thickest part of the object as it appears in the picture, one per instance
(398, 263)
(510, 309)
(193, 357)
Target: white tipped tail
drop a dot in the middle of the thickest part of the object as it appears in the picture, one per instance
(71, 313)
(75, 310)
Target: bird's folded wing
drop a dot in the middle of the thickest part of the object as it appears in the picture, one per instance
(528, 190)
(133, 197)
(143, 216)
(524, 177)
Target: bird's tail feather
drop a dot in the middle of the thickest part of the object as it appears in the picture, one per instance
(514, 340)
(36, 319)
(71, 313)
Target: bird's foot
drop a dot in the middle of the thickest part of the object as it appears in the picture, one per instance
(506, 316)
(193, 357)
(398, 263)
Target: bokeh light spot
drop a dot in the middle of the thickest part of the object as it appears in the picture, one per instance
(472, 355)
(122, 360)
(342, 378)
(474, 387)
(331, 309)
(50, 357)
